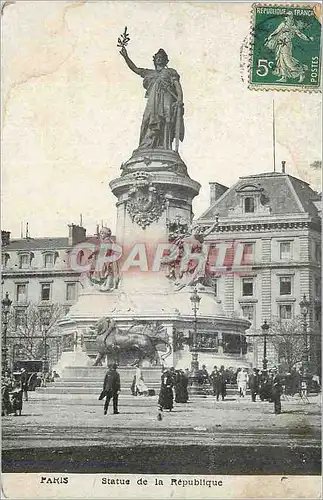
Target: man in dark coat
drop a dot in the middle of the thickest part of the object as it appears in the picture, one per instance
(254, 384)
(24, 382)
(276, 391)
(222, 384)
(215, 379)
(111, 389)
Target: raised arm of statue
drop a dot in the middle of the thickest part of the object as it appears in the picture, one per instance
(129, 62)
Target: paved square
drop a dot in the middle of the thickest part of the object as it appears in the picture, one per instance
(54, 427)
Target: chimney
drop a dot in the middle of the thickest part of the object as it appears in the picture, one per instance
(216, 190)
(76, 234)
(283, 167)
(5, 238)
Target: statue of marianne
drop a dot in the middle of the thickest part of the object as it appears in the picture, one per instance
(163, 117)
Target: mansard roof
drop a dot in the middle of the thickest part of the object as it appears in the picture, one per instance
(37, 244)
(284, 194)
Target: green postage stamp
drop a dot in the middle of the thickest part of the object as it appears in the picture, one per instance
(285, 47)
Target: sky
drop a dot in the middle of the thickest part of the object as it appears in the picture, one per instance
(72, 110)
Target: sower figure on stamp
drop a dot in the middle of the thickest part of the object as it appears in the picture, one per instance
(111, 389)
(281, 42)
(163, 117)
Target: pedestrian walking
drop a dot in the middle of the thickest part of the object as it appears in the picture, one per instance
(264, 386)
(242, 380)
(16, 398)
(24, 382)
(111, 389)
(166, 397)
(254, 384)
(205, 379)
(7, 384)
(139, 384)
(214, 377)
(180, 386)
(276, 391)
(222, 384)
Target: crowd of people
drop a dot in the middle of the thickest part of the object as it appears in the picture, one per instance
(266, 385)
(15, 386)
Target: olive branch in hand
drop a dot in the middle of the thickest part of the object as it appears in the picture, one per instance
(123, 39)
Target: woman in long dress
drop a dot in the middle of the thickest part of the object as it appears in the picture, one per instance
(281, 42)
(140, 386)
(242, 380)
(166, 397)
(163, 117)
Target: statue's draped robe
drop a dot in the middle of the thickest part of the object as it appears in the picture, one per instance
(105, 275)
(158, 126)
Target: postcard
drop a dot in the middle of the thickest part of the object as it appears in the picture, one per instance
(161, 249)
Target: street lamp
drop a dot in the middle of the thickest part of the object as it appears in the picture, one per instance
(6, 304)
(304, 305)
(194, 374)
(265, 328)
(45, 319)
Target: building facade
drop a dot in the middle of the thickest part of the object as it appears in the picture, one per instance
(275, 219)
(36, 271)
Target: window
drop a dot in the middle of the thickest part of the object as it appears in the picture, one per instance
(4, 259)
(249, 204)
(45, 291)
(24, 261)
(317, 315)
(216, 287)
(80, 258)
(20, 317)
(247, 287)
(248, 312)
(70, 291)
(317, 252)
(49, 260)
(285, 311)
(21, 292)
(248, 250)
(317, 288)
(285, 250)
(285, 285)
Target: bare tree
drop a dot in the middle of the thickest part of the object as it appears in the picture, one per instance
(288, 340)
(29, 326)
(316, 165)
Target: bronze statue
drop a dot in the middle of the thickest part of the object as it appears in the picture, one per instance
(107, 277)
(139, 341)
(162, 122)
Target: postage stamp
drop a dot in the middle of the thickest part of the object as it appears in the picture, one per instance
(285, 47)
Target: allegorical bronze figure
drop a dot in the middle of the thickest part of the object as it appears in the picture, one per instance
(162, 122)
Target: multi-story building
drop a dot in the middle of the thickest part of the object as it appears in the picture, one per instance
(36, 270)
(276, 217)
